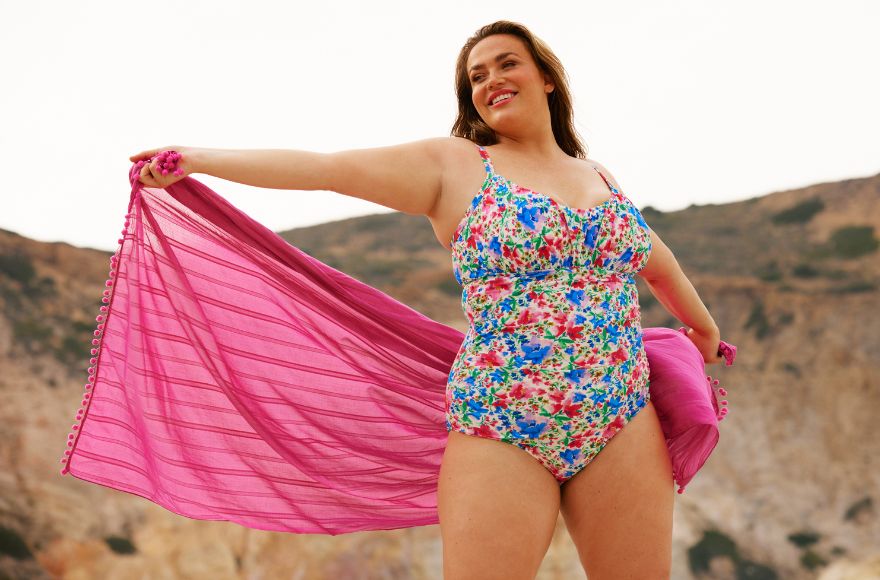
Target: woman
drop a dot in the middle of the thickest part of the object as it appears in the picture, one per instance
(553, 366)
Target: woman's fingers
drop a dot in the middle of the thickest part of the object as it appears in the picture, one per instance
(160, 167)
(147, 177)
(143, 155)
(148, 153)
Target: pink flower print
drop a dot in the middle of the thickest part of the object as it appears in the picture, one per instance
(485, 431)
(498, 288)
(632, 316)
(556, 397)
(560, 322)
(545, 251)
(509, 252)
(528, 316)
(510, 327)
(552, 245)
(562, 401)
(538, 301)
(581, 282)
(592, 359)
(636, 260)
(490, 359)
(599, 261)
(571, 409)
(618, 356)
(520, 392)
(501, 401)
(637, 373)
(613, 282)
(476, 234)
(574, 331)
(613, 427)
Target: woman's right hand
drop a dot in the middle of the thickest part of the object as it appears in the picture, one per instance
(150, 174)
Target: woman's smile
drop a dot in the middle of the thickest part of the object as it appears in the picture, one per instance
(503, 100)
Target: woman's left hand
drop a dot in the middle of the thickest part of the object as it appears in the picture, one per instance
(707, 344)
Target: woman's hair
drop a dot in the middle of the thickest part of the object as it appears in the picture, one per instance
(469, 125)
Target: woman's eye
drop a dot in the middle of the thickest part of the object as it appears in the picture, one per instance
(478, 77)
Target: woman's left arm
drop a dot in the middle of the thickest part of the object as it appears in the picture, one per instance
(672, 288)
(668, 283)
(674, 291)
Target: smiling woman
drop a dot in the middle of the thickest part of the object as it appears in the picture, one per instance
(235, 377)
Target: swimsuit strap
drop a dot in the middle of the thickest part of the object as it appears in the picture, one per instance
(611, 187)
(487, 161)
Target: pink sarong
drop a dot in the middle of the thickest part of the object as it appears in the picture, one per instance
(235, 377)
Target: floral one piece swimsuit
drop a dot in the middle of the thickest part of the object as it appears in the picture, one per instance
(553, 359)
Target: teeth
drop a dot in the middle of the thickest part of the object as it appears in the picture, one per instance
(501, 98)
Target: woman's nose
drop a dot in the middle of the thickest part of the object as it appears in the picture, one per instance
(495, 84)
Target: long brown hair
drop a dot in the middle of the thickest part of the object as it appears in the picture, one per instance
(469, 125)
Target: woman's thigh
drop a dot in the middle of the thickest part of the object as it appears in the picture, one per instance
(498, 509)
(619, 508)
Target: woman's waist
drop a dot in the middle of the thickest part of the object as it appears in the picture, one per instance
(569, 297)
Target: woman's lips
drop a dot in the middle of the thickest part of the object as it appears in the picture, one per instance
(507, 100)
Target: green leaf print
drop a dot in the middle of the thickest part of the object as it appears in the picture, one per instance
(541, 240)
(562, 419)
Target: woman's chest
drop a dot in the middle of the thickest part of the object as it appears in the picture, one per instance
(510, 230)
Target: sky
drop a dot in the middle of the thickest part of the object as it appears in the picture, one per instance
(685, 102)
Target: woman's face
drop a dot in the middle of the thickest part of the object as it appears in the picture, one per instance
(501, 64)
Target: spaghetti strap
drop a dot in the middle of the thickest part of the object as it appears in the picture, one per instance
(608, 183)
(487, 161)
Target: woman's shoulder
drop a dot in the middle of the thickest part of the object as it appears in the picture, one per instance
(461, 145)
(458, 151)
(604, 170)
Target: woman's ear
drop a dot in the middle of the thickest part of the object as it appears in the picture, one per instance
(548, 84)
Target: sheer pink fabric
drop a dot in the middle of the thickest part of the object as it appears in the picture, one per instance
(234, 377)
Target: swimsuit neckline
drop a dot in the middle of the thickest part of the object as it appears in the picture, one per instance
(578, 211)
(517, 190)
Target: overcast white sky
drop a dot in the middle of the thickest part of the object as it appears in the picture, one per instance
(685, 102)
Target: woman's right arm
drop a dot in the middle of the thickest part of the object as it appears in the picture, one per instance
(406, 177)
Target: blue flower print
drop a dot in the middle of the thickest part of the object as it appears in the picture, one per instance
(614, 403)
(590, 239)
(613, 333)
(495, 245)
(535, 352)
(476, 409)
(575, 375)
(531, 427)
(569, 455)
(528, 215)
(639, 217)
(575, 296)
